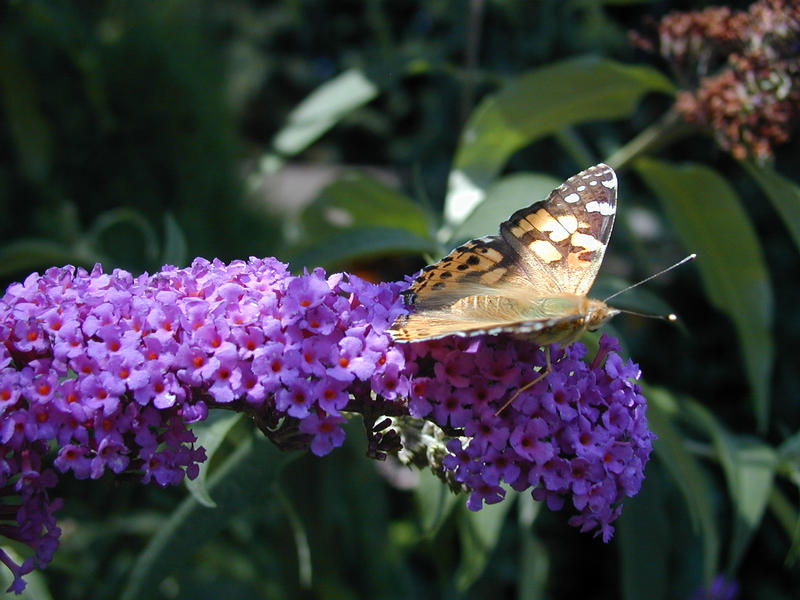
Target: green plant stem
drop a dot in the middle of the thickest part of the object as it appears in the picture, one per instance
(572, 143)
(668, 129)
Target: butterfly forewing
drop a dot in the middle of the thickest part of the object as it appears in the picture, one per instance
(561, 240)
(549, 250)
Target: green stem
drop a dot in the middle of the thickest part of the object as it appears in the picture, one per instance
(668, 129)
(572, 143)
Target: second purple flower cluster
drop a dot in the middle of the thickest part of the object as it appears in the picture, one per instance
(580, 433)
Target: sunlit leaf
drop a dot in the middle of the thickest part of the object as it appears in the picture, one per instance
(790, 448)
(537, 104)
(36, 585)
(322, 109)
(358, 216)
(210, 434)
(708, 217)
(503, 198)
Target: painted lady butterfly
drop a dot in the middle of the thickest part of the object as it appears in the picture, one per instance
(531, 281)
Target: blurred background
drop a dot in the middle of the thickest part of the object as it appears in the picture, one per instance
(138, 134)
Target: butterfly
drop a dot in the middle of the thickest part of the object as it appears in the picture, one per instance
(530, 281)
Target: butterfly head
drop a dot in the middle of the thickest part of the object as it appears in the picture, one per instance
(597, 313)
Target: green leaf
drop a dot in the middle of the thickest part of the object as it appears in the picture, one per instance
(26, 255)
(176, 249)
(708, 217)
(304, 564)
(36, 584)
(749, 467)
(503, 198)
(242, 482)
(479, 532)
(358, 243)
(355, 201)
(789, 450)
(785, 513)
(687, 474)
(435, 502)
(322, 109)
(210, 435)
(534, 560)
(783, 193)
(537, 104)
(643, 535)
(124, 217)
(359, 216)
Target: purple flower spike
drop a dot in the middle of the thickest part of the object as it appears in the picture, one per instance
(113, 368)
(579, 434)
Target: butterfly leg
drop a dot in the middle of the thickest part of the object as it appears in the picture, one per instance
(545, 372)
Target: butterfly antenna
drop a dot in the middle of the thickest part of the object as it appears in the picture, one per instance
(653, 276)
(671, 317)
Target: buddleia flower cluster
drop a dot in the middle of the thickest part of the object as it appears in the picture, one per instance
(105, 373)
(580, 433)
(741, 70)
(113, 368)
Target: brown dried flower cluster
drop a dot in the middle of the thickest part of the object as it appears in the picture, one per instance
(742, 71)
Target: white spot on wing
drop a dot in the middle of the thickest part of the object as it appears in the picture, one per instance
(572, 198)
(580, 188)
(604, 208)
(568, 222)
(584, 240)
(611, 183)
